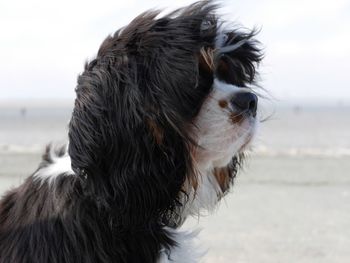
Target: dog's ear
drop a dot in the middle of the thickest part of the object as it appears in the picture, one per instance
(135, 103)
(237, 58)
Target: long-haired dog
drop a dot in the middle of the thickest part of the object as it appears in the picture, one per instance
(162, 118)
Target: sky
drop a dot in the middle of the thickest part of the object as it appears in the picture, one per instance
(44, 44)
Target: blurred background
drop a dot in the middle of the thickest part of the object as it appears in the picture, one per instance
(291, 203)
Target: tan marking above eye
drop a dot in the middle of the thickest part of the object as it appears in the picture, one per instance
(223, 103)
(206, 59)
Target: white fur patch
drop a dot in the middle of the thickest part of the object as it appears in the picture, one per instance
(225, 89)
(219, 139)
(61, 165)
(204, 199)
(185, 250)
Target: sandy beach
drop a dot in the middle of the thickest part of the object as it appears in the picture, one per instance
(291, 203)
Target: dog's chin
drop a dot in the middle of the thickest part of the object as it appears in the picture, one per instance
(245, 134)
(252, 124)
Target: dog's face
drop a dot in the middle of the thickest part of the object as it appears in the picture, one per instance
(225, 125)
(164, 113)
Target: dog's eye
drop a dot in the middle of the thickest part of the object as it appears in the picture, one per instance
(237, 57)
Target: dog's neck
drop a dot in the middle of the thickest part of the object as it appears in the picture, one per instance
(171, 243)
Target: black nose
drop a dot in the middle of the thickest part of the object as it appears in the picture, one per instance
(245, 101)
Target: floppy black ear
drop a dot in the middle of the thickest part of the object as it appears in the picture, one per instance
(237, 58)
(129, 132)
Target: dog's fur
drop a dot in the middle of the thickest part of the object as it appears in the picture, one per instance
(154, 138)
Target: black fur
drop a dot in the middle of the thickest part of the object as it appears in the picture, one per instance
(130, 141)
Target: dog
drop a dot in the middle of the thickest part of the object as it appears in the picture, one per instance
(162, 119)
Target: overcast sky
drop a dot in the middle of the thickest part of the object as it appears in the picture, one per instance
(44, 44)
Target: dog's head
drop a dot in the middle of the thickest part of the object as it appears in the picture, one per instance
(164, 113)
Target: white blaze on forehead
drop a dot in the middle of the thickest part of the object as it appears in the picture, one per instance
(227, 89)
(224, 87)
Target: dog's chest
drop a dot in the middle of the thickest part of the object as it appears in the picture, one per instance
(186, 250)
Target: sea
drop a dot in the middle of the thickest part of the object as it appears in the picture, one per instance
(287, 130)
